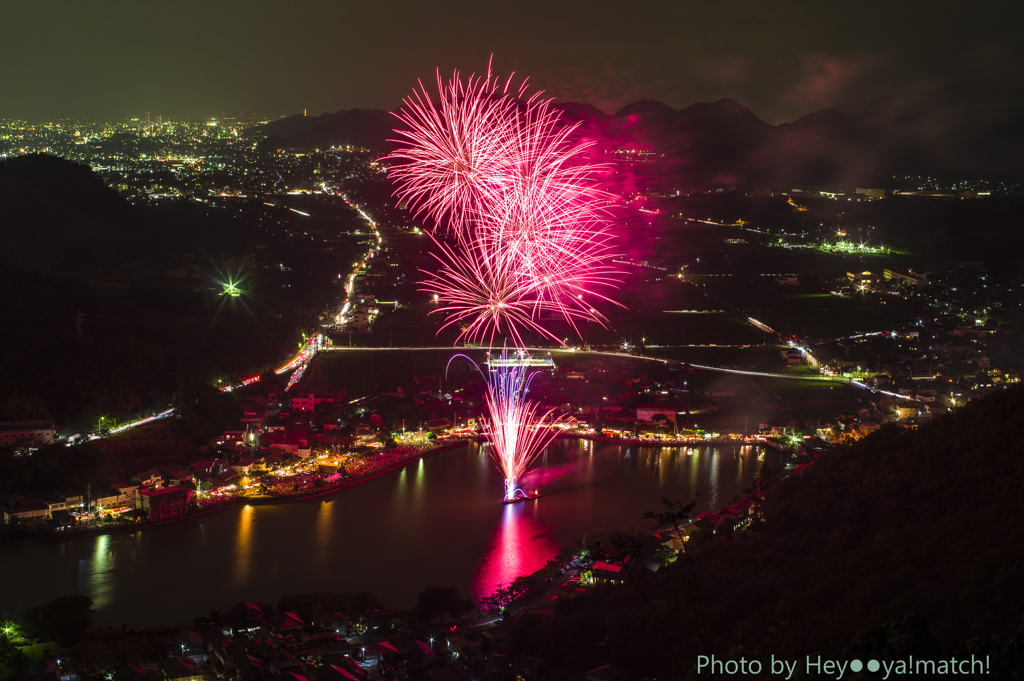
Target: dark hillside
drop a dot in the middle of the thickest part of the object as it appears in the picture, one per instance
(296, 124)
(366, 128)
(96, 322)
(904, 543)
(51, 208)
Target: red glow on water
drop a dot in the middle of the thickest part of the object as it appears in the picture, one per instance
(520, 546)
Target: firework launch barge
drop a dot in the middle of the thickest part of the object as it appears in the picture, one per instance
(522, 496)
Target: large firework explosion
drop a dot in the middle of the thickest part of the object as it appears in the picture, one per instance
(519, 229)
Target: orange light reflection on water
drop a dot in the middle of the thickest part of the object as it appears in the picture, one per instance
(244, 545)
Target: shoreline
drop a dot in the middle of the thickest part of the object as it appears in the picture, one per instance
(657, 444)
(351, 482)
(72, 535)
(230, 503)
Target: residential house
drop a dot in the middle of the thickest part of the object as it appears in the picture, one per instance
(181, 669)
(127, 495)
(150, 478)
(226, 479)
(244, 466)
(165, 504)
(333, 672)
(608, 573)
(290, 441)
(13, 433)
(286, 623)
(29, 511)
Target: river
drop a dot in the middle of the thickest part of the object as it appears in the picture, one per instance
(437, 521)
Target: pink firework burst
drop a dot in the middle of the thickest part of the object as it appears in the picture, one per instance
(520, 230)
(455, 153)
(485, 292)
(501, 176)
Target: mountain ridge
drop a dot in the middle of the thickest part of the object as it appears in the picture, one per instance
(963, 132)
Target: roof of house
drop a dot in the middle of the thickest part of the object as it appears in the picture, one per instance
(163, 491)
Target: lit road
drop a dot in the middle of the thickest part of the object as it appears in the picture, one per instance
(605, 353)
(133, 424)
(298, 363)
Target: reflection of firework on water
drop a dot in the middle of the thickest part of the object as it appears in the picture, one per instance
(517, 428)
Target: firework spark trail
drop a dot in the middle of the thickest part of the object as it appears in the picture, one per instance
(457, 151)
(489, 297)
(519, 230)
(518, 428)
(486, 295)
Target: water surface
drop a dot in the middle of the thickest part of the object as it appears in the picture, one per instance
(438, 521)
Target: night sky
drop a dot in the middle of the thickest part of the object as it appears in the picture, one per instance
(116, 59)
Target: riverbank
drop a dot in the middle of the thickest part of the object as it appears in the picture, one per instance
(717, 442)
(351, 482)
(229, 502)
(65, 535)
(443, 513)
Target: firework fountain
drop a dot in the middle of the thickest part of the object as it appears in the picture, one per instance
(519, 231)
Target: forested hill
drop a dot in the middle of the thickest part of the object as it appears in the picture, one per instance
(112, 311)
(925, 521)
(908, 542)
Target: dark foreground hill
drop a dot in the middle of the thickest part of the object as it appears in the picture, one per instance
(907, 543)
(93, 324)
(53, 211)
